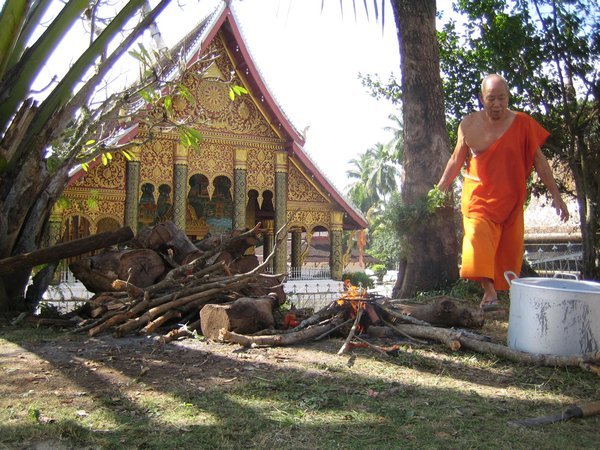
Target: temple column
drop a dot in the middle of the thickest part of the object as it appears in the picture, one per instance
(268, 241)
(180, 183)
(239, 189)
(296, 255)
(281, 187)
(53, 236)
(336, 265)
(132, 189)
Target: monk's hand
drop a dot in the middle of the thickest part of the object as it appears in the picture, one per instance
(436, 198)
(561, 208)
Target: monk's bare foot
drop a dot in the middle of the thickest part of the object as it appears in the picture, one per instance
(490, 304)
(490, 296)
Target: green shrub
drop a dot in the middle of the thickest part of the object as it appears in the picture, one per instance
(359, 279)
(380, 270)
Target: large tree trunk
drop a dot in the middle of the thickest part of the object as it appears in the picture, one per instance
(25, 204)
(432, 257)
(586, 186)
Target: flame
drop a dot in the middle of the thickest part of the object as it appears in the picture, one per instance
(353, 295)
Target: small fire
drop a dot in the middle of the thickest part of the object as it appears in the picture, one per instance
(355, 296)
(352, 292)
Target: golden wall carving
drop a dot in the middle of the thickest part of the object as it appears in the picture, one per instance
(212, 160)
(227, 126)
(302, 189)
(111, 176)
(260, 170)
(157, 162)
(309, 219)
(208, 82)
(105, 209)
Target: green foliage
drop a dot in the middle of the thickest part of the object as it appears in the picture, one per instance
(384, 241)
(374, 176)
(379, 270)
(236, 91)
(390, 90)
(359, 279)
(33, 413)
(404, 219)
(435, 199)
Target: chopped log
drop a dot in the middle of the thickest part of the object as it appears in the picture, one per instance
(344, 347)
(140, 267)
(175, 281)
(246, 315)
(184, 291)
(65, 250)
(114, 318)
(329, 311)
(111, 322)
(160, 321)
(130, 288)
(443, 311)
(391, 328)
(166, 236)
(152, 313)
(337, 327)
(276, 339)
(98, 311)
(500, 350)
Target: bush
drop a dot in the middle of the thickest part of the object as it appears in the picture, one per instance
(359, 279)
(380, 270)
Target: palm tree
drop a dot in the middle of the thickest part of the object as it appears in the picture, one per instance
(359, 192)
(383, 176)
(397, 141)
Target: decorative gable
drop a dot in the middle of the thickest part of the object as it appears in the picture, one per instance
(208, 81)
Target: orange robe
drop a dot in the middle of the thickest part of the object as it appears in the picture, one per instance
(494, 191)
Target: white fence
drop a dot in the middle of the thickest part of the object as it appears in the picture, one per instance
(306, 273)
(550, 259)
(311, 293)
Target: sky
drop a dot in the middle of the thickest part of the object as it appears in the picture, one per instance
(310, 53)
(310, 58)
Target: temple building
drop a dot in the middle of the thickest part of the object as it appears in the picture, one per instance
(250, 166)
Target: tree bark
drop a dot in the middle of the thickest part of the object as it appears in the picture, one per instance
(442, 311)
(433, 254)
(276, 339)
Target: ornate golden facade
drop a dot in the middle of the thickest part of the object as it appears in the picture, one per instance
(249, 167)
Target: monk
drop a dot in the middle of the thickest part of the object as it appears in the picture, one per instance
(498, 148)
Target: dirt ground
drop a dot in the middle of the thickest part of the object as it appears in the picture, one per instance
(75, 364)
(79, 373)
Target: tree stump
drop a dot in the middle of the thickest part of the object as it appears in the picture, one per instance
(246, 315)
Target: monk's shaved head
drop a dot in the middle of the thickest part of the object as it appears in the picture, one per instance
(493, 80)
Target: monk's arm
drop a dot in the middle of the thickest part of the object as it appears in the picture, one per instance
(545, 173)
(455, 163)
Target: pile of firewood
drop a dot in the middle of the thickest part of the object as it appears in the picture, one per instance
(364, 319)
(162, 279)
(161, 282)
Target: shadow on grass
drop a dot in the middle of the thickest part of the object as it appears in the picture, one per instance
(144, 394)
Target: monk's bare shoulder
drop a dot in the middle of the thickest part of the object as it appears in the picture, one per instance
(470, 124)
